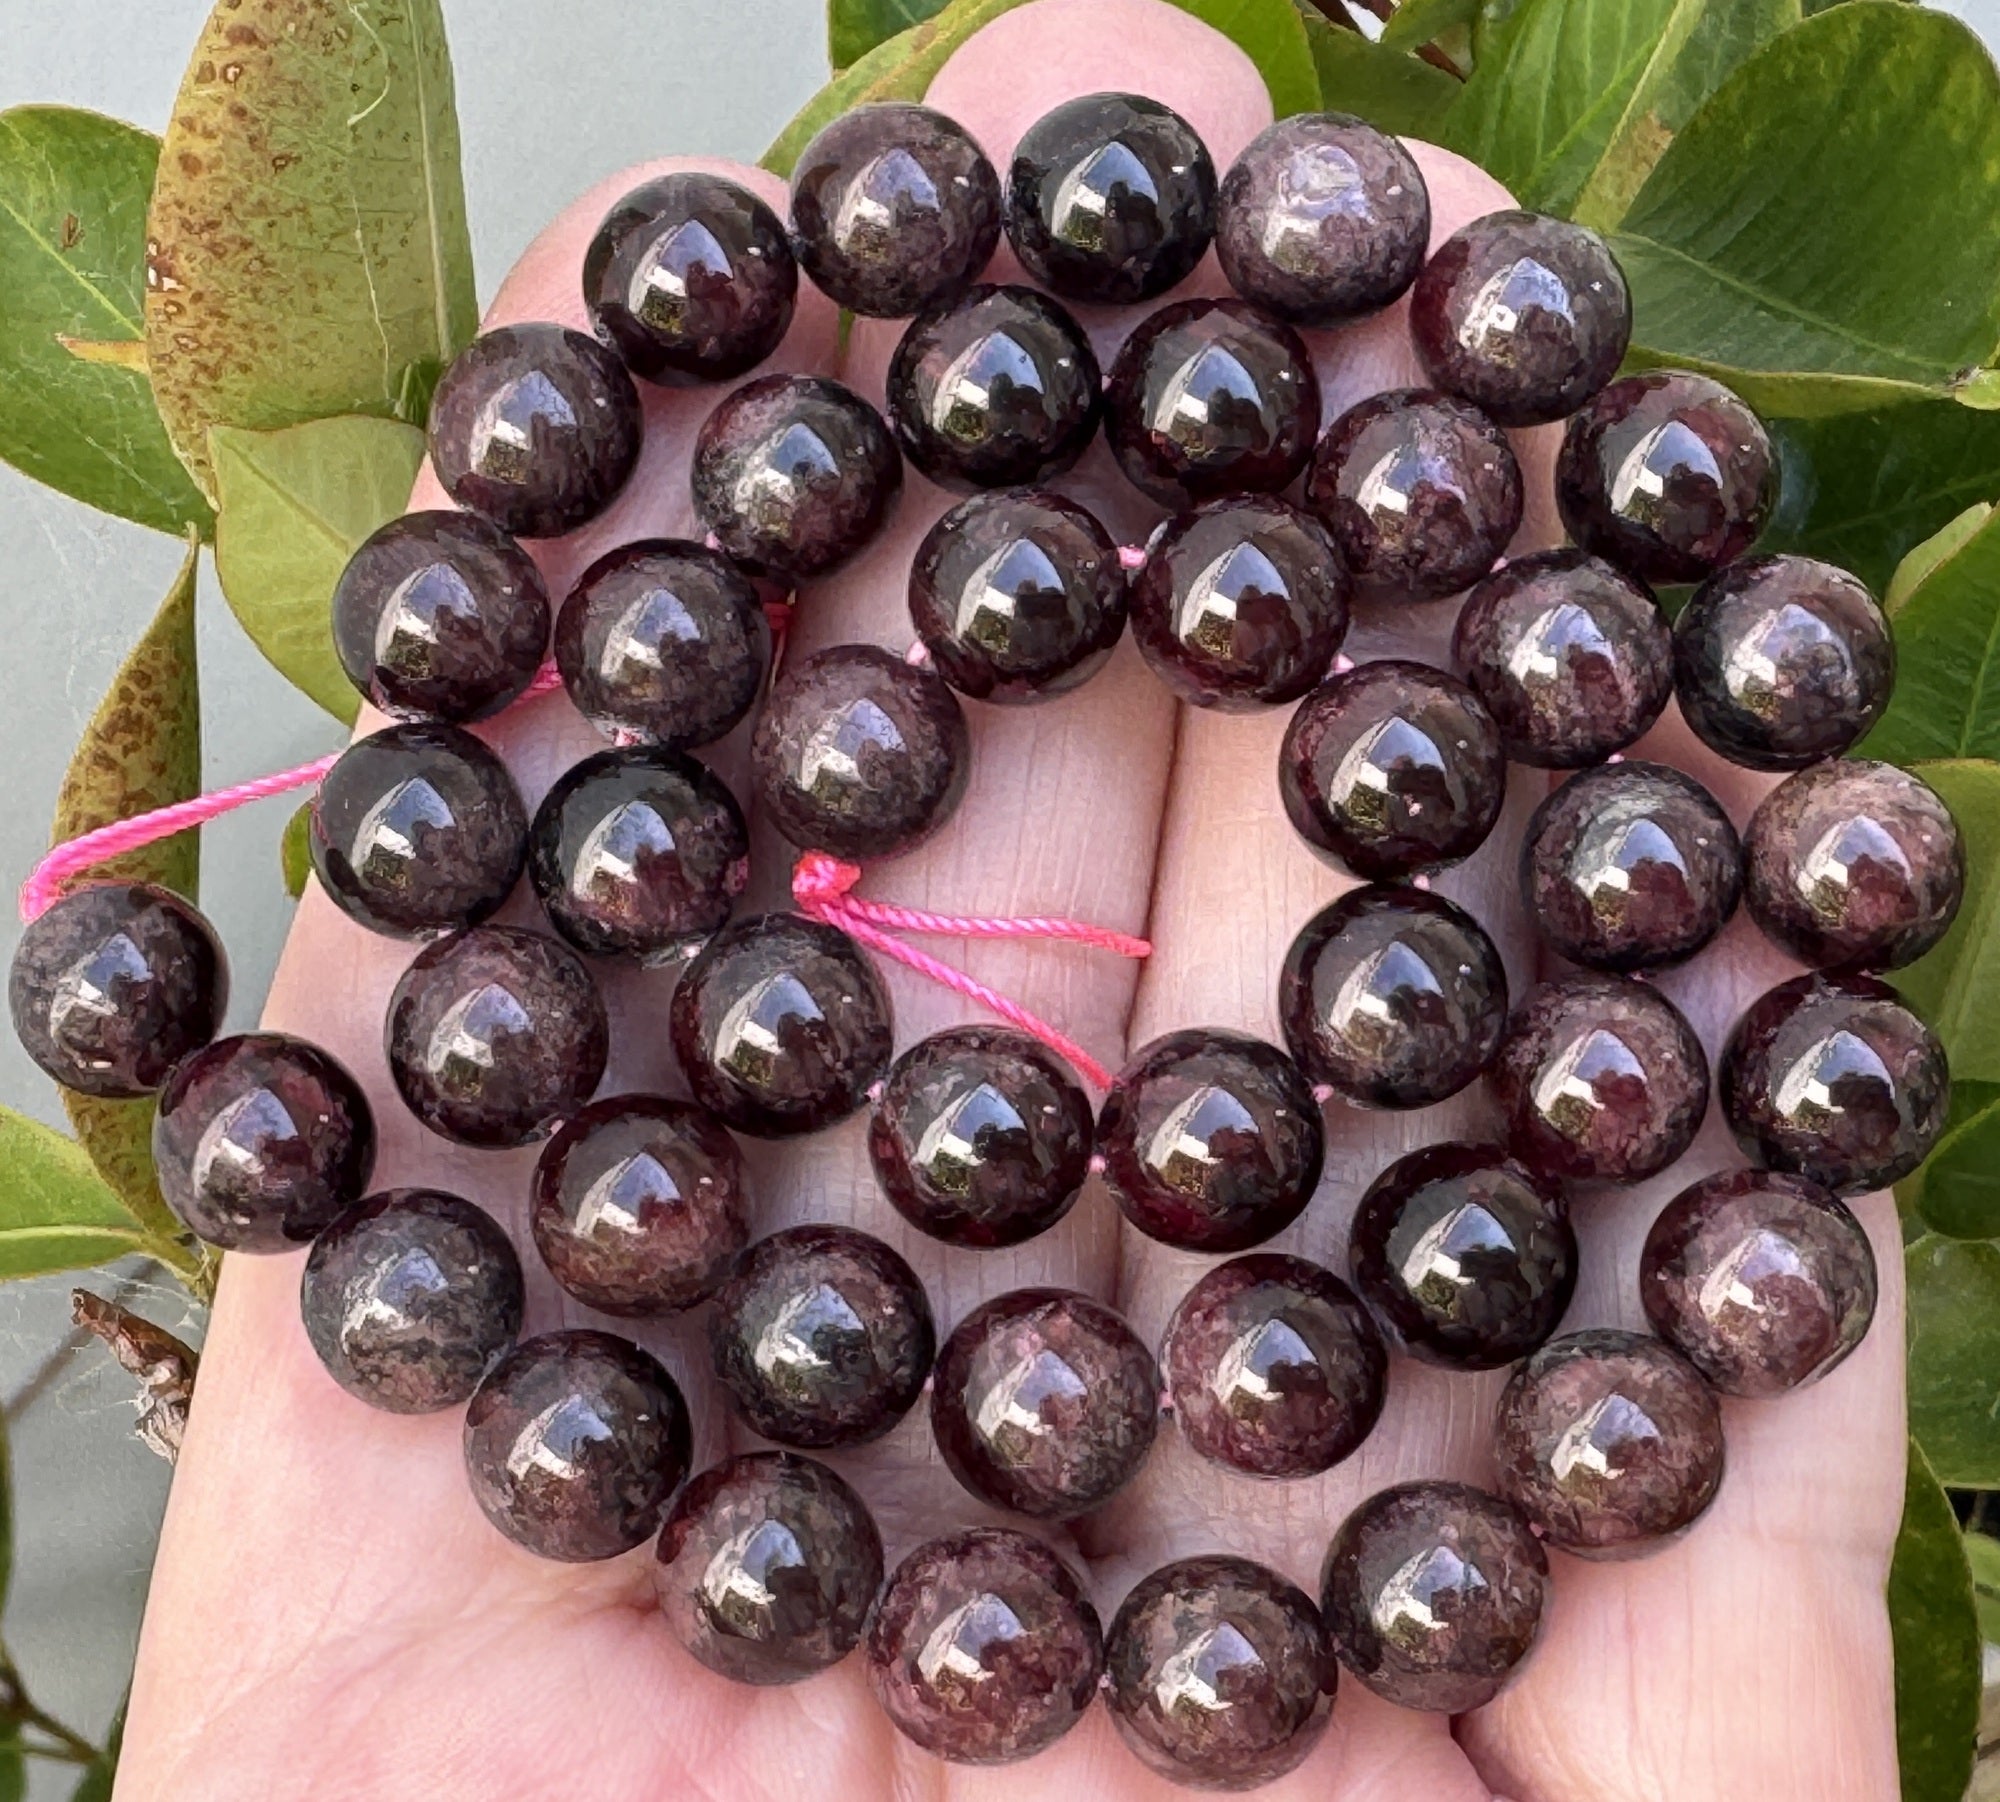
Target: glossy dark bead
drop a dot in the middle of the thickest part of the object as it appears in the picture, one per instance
(794, 474)
(767, 1567)
(1209, 398)
(1420, 491)
(638, 852)
(1523, 315)
(1780, 661)
(994, 389)
(260, 1140)
(1466, 1256)
(1601, 1079)
(1322, 219)
(781, 1025)
(1274, 1367)
(1392, 768)
(536, 428)
(494, 1033)
(1573, 659)
(690, 279)
(894, 209)
(1834, 1078)
(1609, 1442)
(860, 753)
(410, 1298)
(984, 1647)
(1668, 475)
(1211, 1140)
(1433, 1595)
(417, 829)
(666, 640)
(1853, 865)
(1220, 1673)
(1630, 866)
(982, 1136)
(639, 1204)
(574, 1443)
(440, 615)
(1241, 604)
(1044, 1402)
(1110, 198)
(114, 984)
(1393, 997)
(822, 1337)
(1017, 596)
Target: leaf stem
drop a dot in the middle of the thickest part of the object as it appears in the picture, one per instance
(18, 1706)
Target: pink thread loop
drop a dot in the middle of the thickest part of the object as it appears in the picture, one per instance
(1131, 556)
(823, 888)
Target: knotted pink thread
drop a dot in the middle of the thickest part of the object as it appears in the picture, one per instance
(823, 888)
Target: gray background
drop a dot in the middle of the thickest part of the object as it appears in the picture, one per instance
(551, 98)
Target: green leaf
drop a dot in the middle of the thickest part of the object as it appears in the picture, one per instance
(1982, 1555)
(1418, 22)
(1273, 36)
(1957, 1191)
(1392, 91)
(309, 253)
(1955, 985)
(56, 1212)
(292, 507)
(1821, 268)
(1953, 1304)
(73, 193)
(95, 1783)
(1947, 698)
(1935, 1628)
(295, 851)
(855, 27)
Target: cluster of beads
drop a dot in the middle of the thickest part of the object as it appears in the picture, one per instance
(982, 1645)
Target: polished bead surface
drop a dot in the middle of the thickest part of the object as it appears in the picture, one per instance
(1209, 398)
(994, 389)
(410, 1298)
(1420, 491)
(1851, 864)
(1392, 767)
(664, 639)
(984, 1647)
(822, 1337)
(1780, 661)
(1017, 596)
(1601, 1079)
(781, 1025)
(690, 279)
(1111, 198)
(1668, 475)
(794, 474)
(114, 984)
(638, 852)
(493, 1033)
(1274, 1367)
(767, 1566)
(1241, 604)
(1762, 1281)
(1433, 1595)
(1393, 997)
(639, 1204)
(1630, 866)
(1210, 1140)
(536, 428)
(260, 1140)
(860, 753)
(982, 1136)
(1834, 1078)
(1044, 1402)
(1573, 660)
(440, 615)
(1523, 315)
(417, 829)
(894, 209)
(1465, 1255)
(574, 1443)
(1322, 219)
(1221, 1673)
(1609, 1442)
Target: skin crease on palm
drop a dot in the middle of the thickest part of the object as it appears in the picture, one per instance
(330, 1616)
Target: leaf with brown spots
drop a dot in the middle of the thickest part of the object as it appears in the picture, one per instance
(307, 249)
